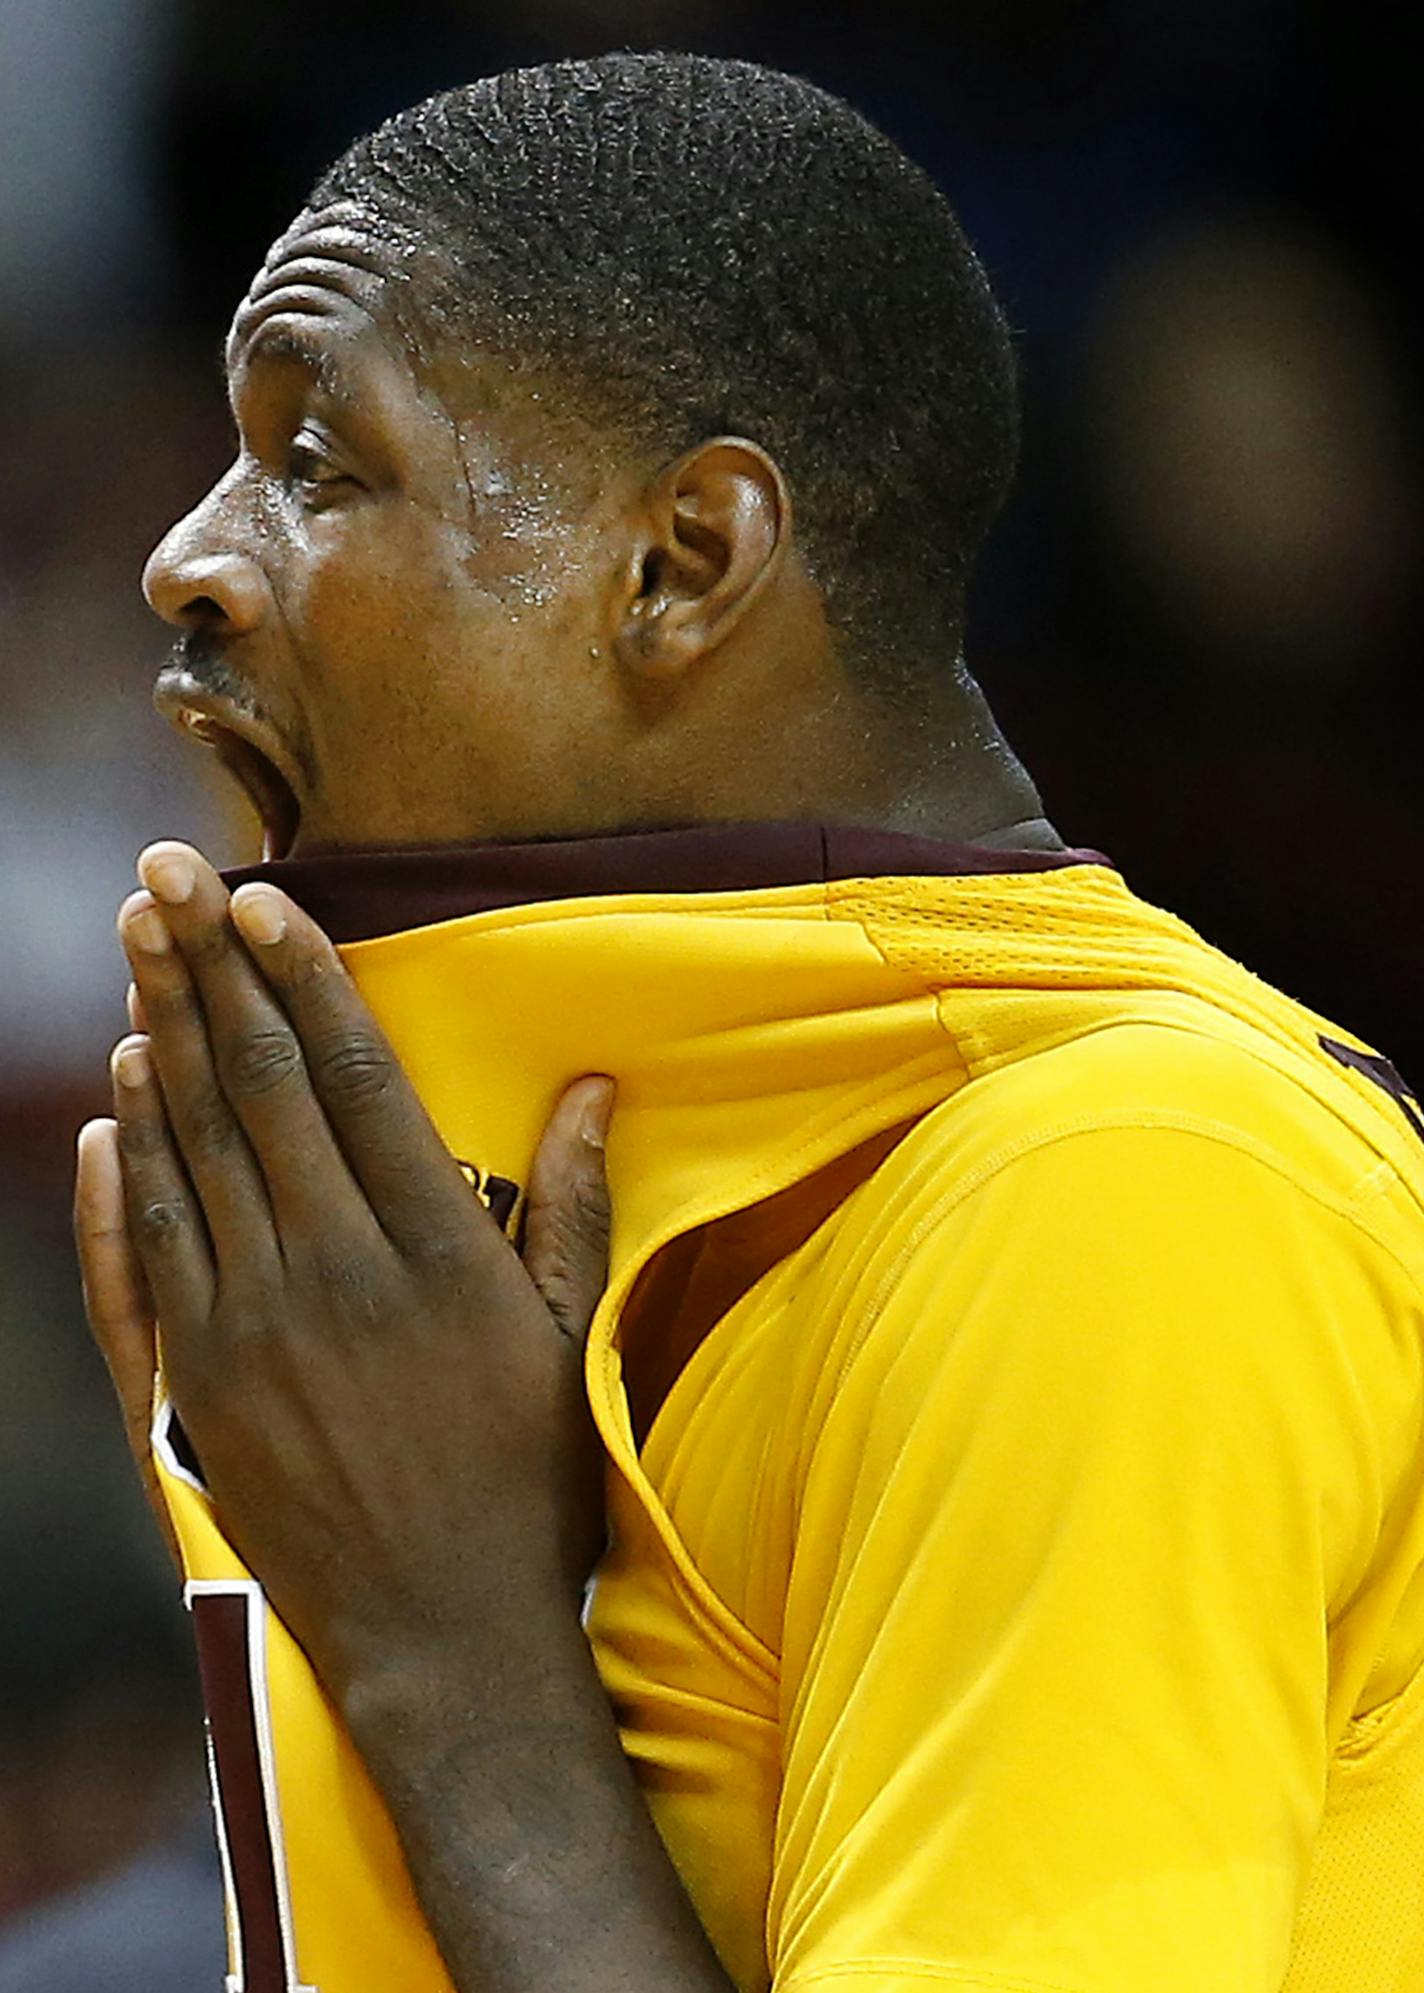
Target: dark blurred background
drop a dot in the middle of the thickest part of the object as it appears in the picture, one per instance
(1200, 622)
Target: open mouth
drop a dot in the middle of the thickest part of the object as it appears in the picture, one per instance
(252, 764)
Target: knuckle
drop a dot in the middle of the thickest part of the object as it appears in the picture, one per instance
(160, 1220)
(575, 1249)
(355, 1070)
(589, 1214)
(260, 1061)
(563, 1298)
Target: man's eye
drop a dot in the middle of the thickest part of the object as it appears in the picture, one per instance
(309, 467)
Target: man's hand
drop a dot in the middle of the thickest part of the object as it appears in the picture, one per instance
(388, 1407)
(387, 1403)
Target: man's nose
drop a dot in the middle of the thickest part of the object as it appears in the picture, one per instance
(195, 582)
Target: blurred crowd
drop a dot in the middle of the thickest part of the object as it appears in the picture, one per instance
(1199, 623)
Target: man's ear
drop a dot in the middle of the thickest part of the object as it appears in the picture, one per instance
(713, 530)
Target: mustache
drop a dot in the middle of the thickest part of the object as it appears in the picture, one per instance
(196, 665)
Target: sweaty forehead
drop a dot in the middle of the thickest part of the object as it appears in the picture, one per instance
(354, 300)
(330, 266)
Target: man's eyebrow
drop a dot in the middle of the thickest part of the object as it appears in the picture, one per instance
(280, 342)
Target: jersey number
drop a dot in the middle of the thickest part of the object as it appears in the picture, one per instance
(229, 1623)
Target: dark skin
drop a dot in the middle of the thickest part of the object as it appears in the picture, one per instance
(444, 610)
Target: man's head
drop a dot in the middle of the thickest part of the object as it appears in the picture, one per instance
(599, 425)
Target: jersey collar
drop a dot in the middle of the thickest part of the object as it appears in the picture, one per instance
(359, 896)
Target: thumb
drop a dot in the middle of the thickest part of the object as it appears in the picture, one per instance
(568, 1214)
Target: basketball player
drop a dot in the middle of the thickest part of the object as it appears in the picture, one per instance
(999, 1392)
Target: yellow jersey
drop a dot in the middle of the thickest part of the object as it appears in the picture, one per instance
(1010, 1375)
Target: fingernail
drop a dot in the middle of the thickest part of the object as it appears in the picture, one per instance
(132, 1065)
(260, 914)
(95, 1130)
(148, 930)
(170, 877)
(597, 1111)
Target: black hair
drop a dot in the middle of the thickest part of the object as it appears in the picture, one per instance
(701, 246)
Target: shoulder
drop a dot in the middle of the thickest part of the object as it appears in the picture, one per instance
(1136, 1175)
(1225, 1092)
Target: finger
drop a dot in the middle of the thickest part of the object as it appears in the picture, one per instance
(116, 1299)
(255, 1054)
(569, 1215)
(165, 1223)
(392, 1147)
(215, 1149)
(133, 1004)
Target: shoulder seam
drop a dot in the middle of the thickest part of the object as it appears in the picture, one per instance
(1175, 1122)
(837, 907)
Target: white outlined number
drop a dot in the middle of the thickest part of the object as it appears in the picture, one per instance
(230, 1625)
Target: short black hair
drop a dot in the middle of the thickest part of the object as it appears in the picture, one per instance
(702, 246)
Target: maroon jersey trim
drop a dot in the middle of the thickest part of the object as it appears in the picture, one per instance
(357, 896)
(224, 1629)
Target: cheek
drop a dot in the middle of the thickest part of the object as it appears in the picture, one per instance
(370, 580)
(399, 597)
(394, 637)
(433, 669)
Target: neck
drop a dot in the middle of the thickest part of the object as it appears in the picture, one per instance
(946, 771)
